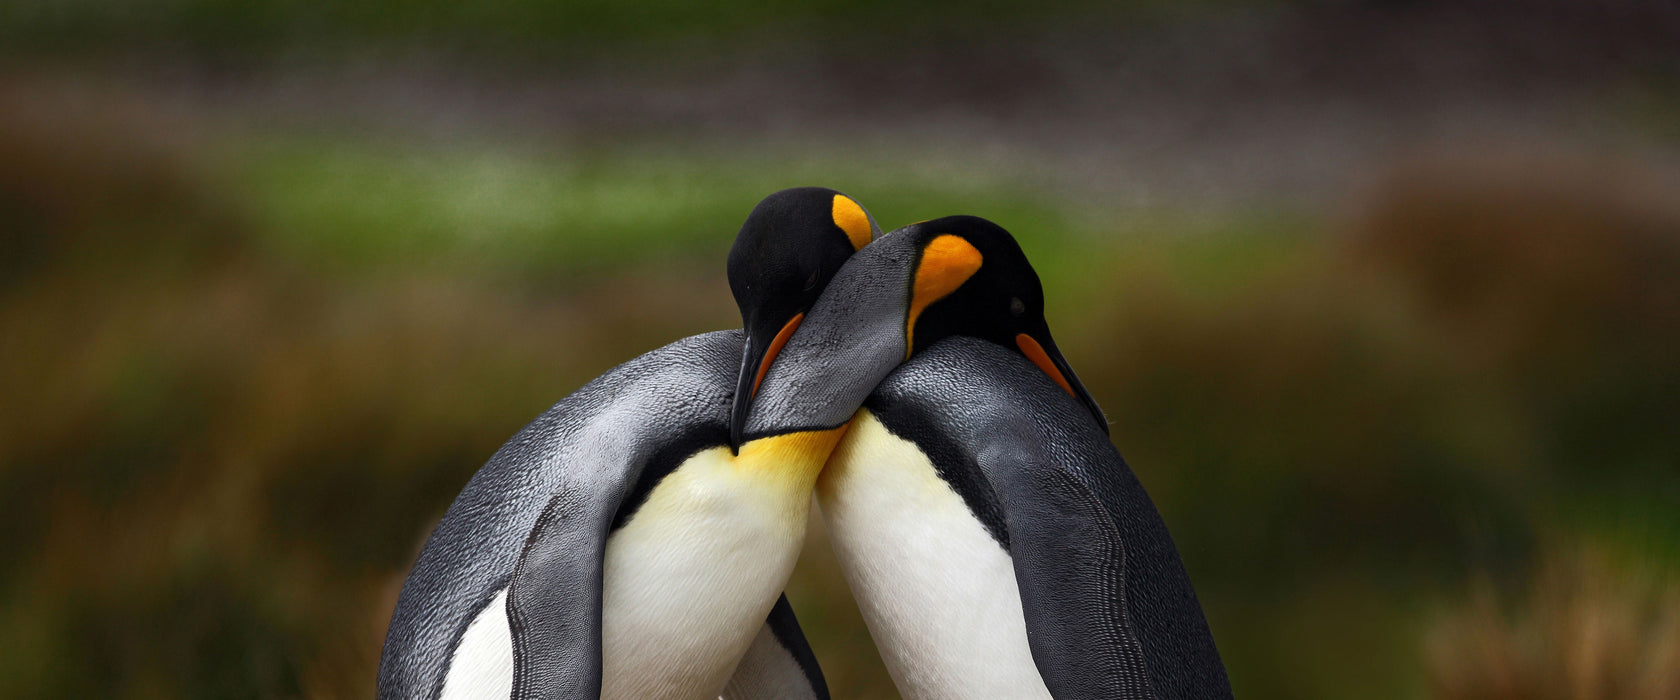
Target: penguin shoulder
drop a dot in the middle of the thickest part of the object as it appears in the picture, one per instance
(591, 447)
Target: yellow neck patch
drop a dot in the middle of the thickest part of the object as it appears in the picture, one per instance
(947, 262)
(793, 457)
(851, 218)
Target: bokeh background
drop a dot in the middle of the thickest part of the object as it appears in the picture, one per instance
(1382, 297)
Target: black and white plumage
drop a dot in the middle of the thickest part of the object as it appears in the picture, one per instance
(1007, 501)
(996, 542)
(621, 434)
(631, 542)
(622, 545)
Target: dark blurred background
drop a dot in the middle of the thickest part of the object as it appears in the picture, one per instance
(1383, 299)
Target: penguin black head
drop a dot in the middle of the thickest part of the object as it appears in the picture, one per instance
(1001, 300)
(790, 247)
(911, 288)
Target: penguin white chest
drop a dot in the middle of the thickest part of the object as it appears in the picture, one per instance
(691, 577)
(938, 593)
(687, 581)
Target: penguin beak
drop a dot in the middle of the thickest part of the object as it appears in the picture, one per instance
(1043, 352)
(764, 342)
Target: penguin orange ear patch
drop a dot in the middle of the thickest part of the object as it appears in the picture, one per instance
(947, 262)
(851, 218)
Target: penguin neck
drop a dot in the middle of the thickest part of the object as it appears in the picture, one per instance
(812, 384)
(792, 460)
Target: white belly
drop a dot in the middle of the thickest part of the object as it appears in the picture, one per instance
(692, 577)
(937, 592)
(687, 583)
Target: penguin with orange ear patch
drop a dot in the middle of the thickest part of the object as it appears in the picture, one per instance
(622, 545)
(996, 542)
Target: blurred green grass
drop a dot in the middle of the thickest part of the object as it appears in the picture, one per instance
(348, 203)
(245, 377)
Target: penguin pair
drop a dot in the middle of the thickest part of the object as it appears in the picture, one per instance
(632, 541)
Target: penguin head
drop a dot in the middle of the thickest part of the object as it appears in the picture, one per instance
(955, 276)
(959, 275)
(791, 246)
(1001, 301)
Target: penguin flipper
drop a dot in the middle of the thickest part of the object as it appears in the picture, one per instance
(779, 665)
(557, 648)
(1094, 561)
(1070, 570)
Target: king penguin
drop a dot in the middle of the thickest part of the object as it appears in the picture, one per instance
(623, 545)
(997, 543)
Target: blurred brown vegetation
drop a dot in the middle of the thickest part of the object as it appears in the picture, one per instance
(216, 463)
(1486, 350)
(1588, 628)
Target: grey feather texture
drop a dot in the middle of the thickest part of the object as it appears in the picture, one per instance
(852, 338)
(558, 484)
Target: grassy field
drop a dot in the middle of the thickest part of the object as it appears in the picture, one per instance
(354, 204)
(1418, 447)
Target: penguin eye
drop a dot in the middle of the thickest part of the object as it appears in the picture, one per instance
(1016, 306)
(811, 282)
